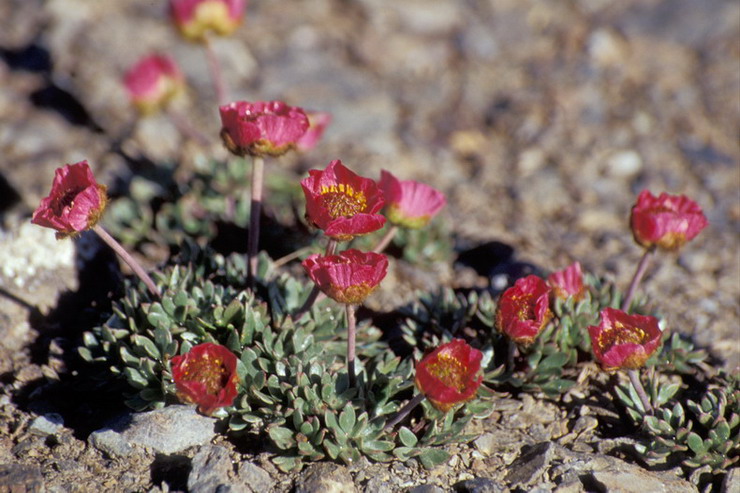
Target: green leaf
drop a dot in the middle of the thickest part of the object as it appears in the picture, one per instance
(552, 362)
(407, 437)
(146, 345)
(287, 463)
(135, 379)
(282, 437)
(666, 392)
(347, 419)
(432, 457)
(696, 444)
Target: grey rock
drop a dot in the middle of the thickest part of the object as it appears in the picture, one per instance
(426, 488)
(325, 478)
(212, 470)
(166, 431)
(48, 424)
(529, 466)
(479, 485)
(731, 483)
(627, 478)
(257, 478)
(20, 478)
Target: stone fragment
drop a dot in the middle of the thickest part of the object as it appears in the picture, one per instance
(479, 485)
(426, 488)
(627, 478)
(257, 478)
(212, 470)
(325, 478)
(18, 478)
(731, 483)
(48, 424)
(530, 466)
(165, 431)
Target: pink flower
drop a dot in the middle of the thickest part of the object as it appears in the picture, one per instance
(349, 277)
(523, 309)
(568, 283)
(341, 203)
(196, 18)
(269, 128)
(206, 376)
(318, 121)
(624, 341)
(667, 221)
(153, 82)
(450, 374)
(409, 203)
(75, 202)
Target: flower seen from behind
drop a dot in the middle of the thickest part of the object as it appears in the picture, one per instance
(318, 121)
(206, 376)
(667, 221)
(568, 283)
(196, 18)
(624, 341)
(450, 374)
(409, 203)
(341, 203)
(76, 201)
(153, 82)
(349, 277)
(523, 309)
(269, 128)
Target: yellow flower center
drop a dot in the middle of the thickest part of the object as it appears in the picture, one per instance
(449, 370)
(209, 371)
(622, 334)
(343, 200)
(525, 307)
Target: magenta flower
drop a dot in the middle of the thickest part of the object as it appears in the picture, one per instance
(523, 310)
(318, 121)
(76, 201)
(269, 128)
(196, 18)
(568, 283)
(153, 82)
(349, 277)
(450, 374)
(342, 203)
(206, 376)
(410, 204)
(667, 221)
(624, 341)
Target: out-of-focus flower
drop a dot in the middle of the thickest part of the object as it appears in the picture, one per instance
(450, 374)
(523, 309)
(206, 376)
(349, 277)
(342, 203)
(153, 82)
(410, 204)
(568, 283)
(624, 341)
(196, 18)
(269, 128)
(318, 121)
(75, 203)
(667, 221)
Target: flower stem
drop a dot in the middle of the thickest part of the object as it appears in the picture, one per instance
(258, 172)
(639, 272)
(386, 239)
(351, 336)
(185, 128)
(291, 256)
(635, 380)
(405, 410)
(135, 266)
(214, 65)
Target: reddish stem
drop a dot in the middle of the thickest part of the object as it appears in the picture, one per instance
(351, 342)
(636, 278)
(405, 410)
(214, 65)
(258, 172)
(386, 239)
(126, 257)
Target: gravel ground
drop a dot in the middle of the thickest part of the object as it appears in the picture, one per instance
(541, 121)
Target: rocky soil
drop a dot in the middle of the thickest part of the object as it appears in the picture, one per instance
(541, 121)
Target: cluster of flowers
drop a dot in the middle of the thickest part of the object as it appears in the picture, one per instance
(621, 340)
(345, 205)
